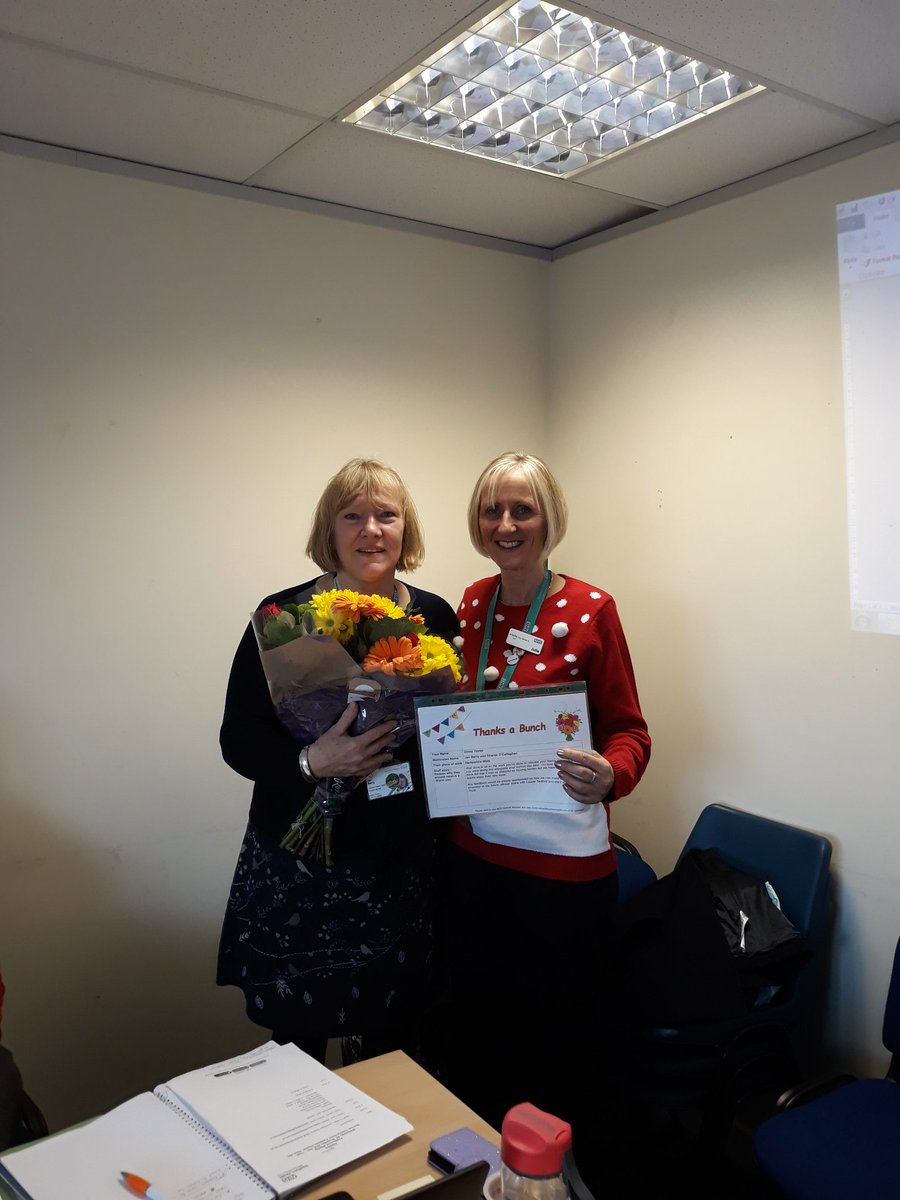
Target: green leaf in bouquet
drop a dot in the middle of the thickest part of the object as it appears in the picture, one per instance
(307, 620)
(354, 648)
(276, 633)
(369, 632)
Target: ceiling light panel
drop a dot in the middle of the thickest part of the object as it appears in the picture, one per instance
(538, 86)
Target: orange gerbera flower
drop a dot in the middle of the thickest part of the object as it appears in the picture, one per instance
(353, 608)
(356, 606)
(417, 617)
(393, 656)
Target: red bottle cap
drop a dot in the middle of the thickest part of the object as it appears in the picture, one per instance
(534, 1142)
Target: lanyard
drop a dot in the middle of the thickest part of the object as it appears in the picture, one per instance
(530, 622)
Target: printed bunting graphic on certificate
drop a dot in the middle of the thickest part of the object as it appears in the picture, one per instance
(493, 751)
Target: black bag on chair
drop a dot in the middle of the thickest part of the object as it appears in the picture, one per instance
(700, 943)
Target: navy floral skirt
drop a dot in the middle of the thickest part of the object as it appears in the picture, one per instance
(332, 951)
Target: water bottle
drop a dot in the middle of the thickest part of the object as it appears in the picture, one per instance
(532, 1146)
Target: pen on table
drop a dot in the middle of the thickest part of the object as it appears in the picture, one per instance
(140, 1187)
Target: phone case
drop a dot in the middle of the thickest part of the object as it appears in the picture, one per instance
(461, 1148)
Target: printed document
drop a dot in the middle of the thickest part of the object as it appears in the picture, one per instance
(254, 1127)
(283, 1113)
(493, 751)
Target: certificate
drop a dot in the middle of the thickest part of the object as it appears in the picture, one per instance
(492, 751)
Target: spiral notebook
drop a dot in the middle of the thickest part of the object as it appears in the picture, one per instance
(260, 1125)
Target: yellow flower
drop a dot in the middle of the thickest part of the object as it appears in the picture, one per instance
(394, 656)
(436, 653)
(381, 606)
(327, 618)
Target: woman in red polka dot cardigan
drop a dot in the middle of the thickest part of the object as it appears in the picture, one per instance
(528, 899)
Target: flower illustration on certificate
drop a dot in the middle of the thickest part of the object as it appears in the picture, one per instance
(568, 724)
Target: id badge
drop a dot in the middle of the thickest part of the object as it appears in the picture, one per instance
(525, 641)
(393, 780)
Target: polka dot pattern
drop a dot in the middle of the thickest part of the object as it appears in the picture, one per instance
(580, 641)
(569, 620)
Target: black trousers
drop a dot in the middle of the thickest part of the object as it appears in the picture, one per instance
(519, 1002)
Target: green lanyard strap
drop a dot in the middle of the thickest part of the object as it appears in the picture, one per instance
(530, 622)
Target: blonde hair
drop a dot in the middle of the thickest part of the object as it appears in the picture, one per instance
(373, 479)
(545, 488)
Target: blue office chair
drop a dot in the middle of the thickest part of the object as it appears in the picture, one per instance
(715, 1066)
(839, 1138)
(634, 873)
(796, 862)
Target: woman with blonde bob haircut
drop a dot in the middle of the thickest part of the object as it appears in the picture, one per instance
(527, 899)
(544, 487)
(364, 477)
(325, 951)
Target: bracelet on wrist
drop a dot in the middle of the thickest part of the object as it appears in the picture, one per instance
(305, 769)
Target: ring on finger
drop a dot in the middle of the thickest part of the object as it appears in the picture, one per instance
(593, 778)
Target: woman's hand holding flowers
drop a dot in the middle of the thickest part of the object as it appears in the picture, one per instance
(339, 753)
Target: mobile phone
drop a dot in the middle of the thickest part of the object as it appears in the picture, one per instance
(460, 1148)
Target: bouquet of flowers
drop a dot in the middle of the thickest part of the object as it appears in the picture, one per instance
(340, 646)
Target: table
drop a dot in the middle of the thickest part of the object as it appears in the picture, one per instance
(401, 1084)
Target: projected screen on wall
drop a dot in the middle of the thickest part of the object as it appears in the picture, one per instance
(868, 237)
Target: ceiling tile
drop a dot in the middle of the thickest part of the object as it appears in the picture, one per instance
(752, 135)
(222, 88)
(393, 175)
(66, 101)
(316, 56)
(844, 52)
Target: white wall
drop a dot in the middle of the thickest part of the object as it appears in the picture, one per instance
(181, 374)
(697, 420)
